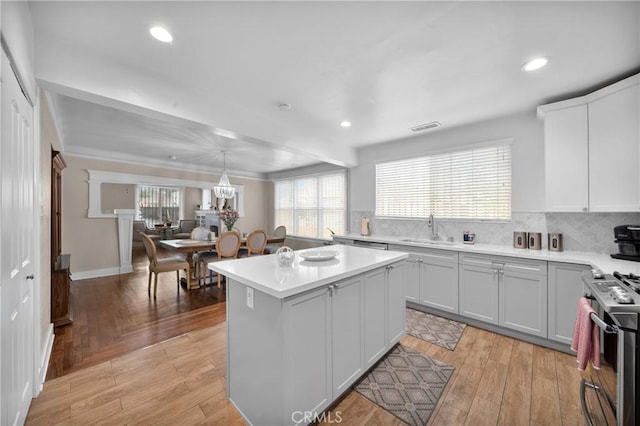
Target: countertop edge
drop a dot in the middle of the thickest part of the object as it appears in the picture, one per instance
(220, 267)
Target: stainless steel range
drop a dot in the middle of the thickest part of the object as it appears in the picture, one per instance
(618, 304)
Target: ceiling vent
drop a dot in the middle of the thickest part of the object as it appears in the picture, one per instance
(426, 126)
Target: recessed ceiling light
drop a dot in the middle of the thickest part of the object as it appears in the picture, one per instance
(173, 157)
(345, 123)
(161, 34)
(535, 63)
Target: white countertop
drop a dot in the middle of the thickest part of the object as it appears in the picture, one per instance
(596, 260)
(264, 274)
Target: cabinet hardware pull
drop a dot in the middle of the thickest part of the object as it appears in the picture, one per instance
(30, 277)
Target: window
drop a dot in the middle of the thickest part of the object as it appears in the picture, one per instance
(473, 184)
(158, 204)
(309, 205)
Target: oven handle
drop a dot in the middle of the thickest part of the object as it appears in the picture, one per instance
(607, 328)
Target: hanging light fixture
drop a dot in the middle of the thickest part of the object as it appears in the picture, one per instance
(224, 188)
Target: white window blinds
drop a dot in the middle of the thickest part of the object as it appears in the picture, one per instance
(472, 184)
(309, 205)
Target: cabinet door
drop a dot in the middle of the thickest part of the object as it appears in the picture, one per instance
(566, 159)
(375, 316)
(307, 356)
(565, 288)
(614, 151)
(396, 305)
(412, 279)
(439, 284)
(346, 320)
(479, 293)
(523, 302)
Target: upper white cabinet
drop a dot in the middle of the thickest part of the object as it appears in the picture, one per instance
(614, 150)
(566, 137)
(592, 147)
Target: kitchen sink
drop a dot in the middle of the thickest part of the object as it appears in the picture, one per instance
(429, 242)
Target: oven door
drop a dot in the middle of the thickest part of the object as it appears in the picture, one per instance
(597, 395)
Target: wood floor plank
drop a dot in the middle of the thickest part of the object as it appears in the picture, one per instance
(492, 382)
(483, 412)
(516, 402)
(447, 415)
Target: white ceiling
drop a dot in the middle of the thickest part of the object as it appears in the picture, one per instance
(385, 66)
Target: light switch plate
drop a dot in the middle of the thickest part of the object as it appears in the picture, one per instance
(250, 297)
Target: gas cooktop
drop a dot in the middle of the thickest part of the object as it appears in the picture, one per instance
(614, 293)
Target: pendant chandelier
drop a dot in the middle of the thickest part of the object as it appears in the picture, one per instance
(224, 188)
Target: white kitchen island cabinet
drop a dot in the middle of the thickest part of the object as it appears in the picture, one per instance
(299, 337)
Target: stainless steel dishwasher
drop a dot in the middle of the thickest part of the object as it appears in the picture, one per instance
(371, 244)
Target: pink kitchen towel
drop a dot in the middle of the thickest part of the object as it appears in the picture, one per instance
(586, 337)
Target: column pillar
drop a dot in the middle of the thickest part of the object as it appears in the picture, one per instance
(125, 238)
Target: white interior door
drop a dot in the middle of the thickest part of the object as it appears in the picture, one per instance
(17, 250)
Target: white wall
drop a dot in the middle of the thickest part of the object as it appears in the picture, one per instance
(17, 30)
(527, 158)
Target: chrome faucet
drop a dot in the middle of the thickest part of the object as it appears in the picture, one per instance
(431, 222)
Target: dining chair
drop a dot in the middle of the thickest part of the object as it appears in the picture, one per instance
(279, 232)
(227, 246)
(255, 243)
(157, 266)
(201, 258)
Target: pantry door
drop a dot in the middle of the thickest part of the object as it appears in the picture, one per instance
(17, 249)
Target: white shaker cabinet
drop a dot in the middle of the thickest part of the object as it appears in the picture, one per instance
(478, 288)
(614, 149)
(510, 292)
(566, 156)
(396, 305)
(431, 277)
(346, 333)
(412, 279)
(565, 288)
(592, 148)
(523, 295)
(307, 356)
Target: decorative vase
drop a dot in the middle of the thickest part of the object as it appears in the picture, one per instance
(229, 227)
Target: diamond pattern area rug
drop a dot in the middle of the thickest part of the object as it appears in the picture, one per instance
(407, 384)
(434, 329)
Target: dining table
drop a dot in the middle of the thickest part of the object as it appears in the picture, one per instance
(190, 247)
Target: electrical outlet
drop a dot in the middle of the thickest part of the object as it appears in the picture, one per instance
(250, 297)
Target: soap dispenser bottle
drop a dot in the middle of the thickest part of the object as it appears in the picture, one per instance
(364, 227)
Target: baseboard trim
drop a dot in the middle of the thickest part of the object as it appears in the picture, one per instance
(44, 359)
(96, 273)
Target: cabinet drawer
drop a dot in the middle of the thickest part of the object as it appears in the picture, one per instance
(512, 264)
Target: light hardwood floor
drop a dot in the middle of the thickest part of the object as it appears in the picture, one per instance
(181, 381)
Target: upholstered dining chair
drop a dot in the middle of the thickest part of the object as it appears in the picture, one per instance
(227, 246)
(201, 258)
(256, 242)
(157, 266)
(280, 232)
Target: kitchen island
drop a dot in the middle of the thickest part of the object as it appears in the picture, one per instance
(300, 336)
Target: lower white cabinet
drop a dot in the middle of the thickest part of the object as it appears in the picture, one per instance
(311, 347)
(307, 353)
(478, 288)
(565, 288)
(510, 292)
(432, 278)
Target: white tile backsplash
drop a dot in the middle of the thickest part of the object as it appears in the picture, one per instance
(590, 232)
